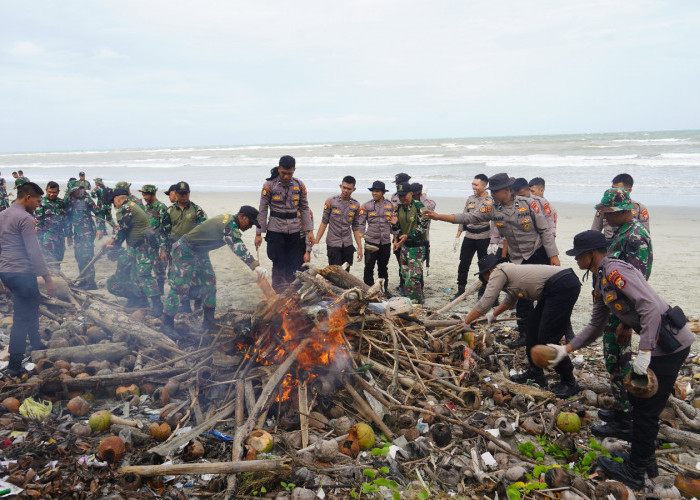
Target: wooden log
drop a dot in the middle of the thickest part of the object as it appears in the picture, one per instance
(62, 289)
(461, 298)
(686, 438)
(85, 270)
(206, 468)
(112, 379)
(367, 410)
(530, 390)
(340, 277)
(113, 352)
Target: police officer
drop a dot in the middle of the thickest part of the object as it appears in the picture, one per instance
(156, 211)
(555, 290)
(521, 188)
(133, 277)
(630, 242)
(374, 223)
(284, 197)
(51, 226)
(340, 216)
(4, 199)
(476, 236)
(639, 211)
(523, 225)
(536, 185)
(429, 204)
(191, 262)
(664, 343)
(409, 225)
(82, 231)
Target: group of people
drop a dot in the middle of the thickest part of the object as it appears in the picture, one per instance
(507, 224)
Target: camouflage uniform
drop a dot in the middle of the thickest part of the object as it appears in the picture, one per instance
(52, 230)
(81, 227)
(4, 200)
(631, 243)
(155, 212)
(134, 274)
(98, 194)
(191, 262)
(413, 223)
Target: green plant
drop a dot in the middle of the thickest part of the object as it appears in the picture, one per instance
(384, 450)
(517, 490)
(372, 487)
(260, 492)
(288, 486)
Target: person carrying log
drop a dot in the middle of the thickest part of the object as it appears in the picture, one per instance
(191, 262)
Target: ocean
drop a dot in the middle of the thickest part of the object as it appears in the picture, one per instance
(576, 168)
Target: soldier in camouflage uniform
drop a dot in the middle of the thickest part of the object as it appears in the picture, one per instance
(98, 193)
(410, 225)
(155, 210)
(639, 211)
(191, 262)
(82, 230)
(51, 227)
(631, 243)
(4, 199)
(133, 277)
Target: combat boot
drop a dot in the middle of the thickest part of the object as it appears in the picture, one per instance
(652, 468)
(36, 342)
(167, 326)
(161, 286)
(132, 302)
(185, 307)
(208, 319)
(628, 472)
(619, 427)
(15, 368)
(519, 342)
(142, 302)
(566, 388)
(156, 307)
(530, 375)
(197, 304)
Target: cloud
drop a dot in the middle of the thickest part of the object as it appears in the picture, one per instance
(105, 53)
(25, 49)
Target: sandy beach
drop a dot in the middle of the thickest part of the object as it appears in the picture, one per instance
(674, 273)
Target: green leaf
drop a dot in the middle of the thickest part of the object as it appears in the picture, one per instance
(384, 470)
(353, 494)
(393, 484)
(619, 460)
(424, 495)
(513, 493)
(368, 488)
(369, 473)
(263, 490)
(376, 452)
(381, 481)
(666, 446)
(397, 495)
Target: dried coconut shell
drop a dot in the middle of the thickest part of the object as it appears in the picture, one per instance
(11, 404)
(111, 449)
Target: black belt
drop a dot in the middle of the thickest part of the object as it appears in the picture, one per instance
(477, 231)
(283, 215)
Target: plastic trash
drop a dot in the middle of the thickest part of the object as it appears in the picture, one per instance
(36, 410)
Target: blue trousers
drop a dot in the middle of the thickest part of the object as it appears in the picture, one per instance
(25, 298)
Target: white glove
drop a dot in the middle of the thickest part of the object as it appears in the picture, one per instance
(561, 354)
(641, 362)
(492, 249)
(455, 245)
(316, 250)
(490, 317)
(261, 272)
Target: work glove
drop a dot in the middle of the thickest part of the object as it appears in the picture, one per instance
(561, 354)
(641, 362)
(316, 250)
(490, 317)
(455, 245)
(261, 272)
(492, 249)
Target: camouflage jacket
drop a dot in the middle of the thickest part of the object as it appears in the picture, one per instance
(79, 215)
(155, 212)
(4, 201)
(51, 222)
(177, 222)
(632, 243)
(411, 222)
(104, 208)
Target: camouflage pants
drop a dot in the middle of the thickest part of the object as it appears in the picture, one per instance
(53, 248)
(84, 248)
(618, 363)
(411, 262)
(189, 268)
(134, 274)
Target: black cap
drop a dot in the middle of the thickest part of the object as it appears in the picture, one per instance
(171, 189)
(81, 173)
(417, 188)
(487, 262)
(403, 189)
(378, 186)
(118, 192)
(182, 187)
(587, 240)
(401, 177)
(252, 214)
(500, 181)
(287, 162)
(520, 183)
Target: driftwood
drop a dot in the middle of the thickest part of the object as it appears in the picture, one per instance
(368, 411)
(461, 298)
(340, 277)
(85, 270)
(206, 468)
(84, 353)
(530, 390)
(685, 438)
(112, 379)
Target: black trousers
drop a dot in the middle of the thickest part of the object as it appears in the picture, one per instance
(550, 319)
(645, 412)
(381, 258)
(523, 308)
(286, 251)
(426, 255)
(25, 316)
(337, 256)
(397, 254)
(466, 255)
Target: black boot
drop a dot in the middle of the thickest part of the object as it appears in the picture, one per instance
(88, 285)
(620, 427)
(142, 302)
(519, 342)
(36, 342)
(208, 319)
(460, 291)
(652, 468)
(161, 286)
(167, 326)
(530, 375)
(628, 472)
(185, 306)
(566, 388)
(15, 368)
(156, 307)
(132, 302)
(606, 415)
(197, 304)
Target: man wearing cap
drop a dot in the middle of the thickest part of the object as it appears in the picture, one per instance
(429, 204)
(373, 221)
(525, 229)
(399, 178)
(664, 343)
(133, 277)
(340, 216)
(284, 197)
(21, 261)
(630, 242)
(639, 211)
(51, 226)
(83, 182)
(82, 231)
(476, 236)
(4, 199)
(409, 225)
(555, 290)
(172, 193)
(191, 262)
(536, 186)
(156, 211)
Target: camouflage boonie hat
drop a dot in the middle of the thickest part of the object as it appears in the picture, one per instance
(123, 185)
(98, 179)
(615, 200)
(148, 189)
(19, 181)
(73, 188)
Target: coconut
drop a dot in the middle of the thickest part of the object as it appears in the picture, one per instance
(569, 422)
(100, 420)
(81, 430)
(194, 450)
(78, 406)
(11, 404)
(326, 450)
(159, 432)
(261, 441)
(364, 435)
(128, 391)
(111, 449)
(542, 354)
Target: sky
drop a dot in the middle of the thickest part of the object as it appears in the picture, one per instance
(87, 74)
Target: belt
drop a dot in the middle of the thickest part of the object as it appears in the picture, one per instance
(283, 215)
(553, 279)
(477, 231)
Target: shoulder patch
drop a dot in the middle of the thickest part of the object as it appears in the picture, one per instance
(362, 210)
(326, 205)
(547, 210)
(644, 214)
(535, 207)
(616, 278)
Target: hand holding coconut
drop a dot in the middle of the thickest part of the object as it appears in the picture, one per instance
(561, 353)
(641, 362)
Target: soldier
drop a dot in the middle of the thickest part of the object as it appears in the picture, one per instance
(409, 224)
(156, 211)
(82, 231)
(664, 344)
(126, 186)
(51, 227)
(4, 199)
(536, 185)
(102, 194)
(84, 183)
(523, 225)
(172, 193)
(285, 198)
(429, 204)
(399, 179)
(373, 221)
(133, 277)
(631, 242)
(191, 262)
(639, 212)
(340, 215)
(476, 236)
(555, 290)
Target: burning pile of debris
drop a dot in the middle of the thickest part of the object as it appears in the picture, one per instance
(327, 390)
